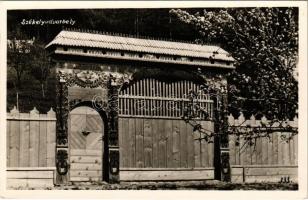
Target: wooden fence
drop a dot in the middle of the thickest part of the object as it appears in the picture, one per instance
(31, 141)
(269, 158)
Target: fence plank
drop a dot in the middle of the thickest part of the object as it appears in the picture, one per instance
(121, 137)
(211, 148)
(295, 149)
(14, 143)
(34, 139)
(183, 144)
(280, 149)
(162, 146)
(242, 151)
(42, 144)
(190, 146)
(155, 142)
(275, 148)
(232, 149)
(197, 149)
(286, 153)
(8, 132)
(51, 143)
(169, 134)
(176, 143)
(34, 143)
(139, 143)
(132, 142)
(148, 143)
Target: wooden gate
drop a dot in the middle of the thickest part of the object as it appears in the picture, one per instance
(155, 142)
(86, 130)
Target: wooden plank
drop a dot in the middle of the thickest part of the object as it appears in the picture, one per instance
(211, 148)
(34, 143)
(29, 183)
(148, 143)
(232, 149)
(169, 145)
(42, 144)
(190, 146)
(121, 148)
(29, 174)
(242, 151)
(176, 143)
(197, 149)
(237, 171)
(132, 142)
(166, 175)
(86, 166)
(51, 143)
(162, 144)
(86, 159)
(275, 148)
(183, 144)
(123, 127)
(94, 173)
(280, 149)
(286, 152)
(139, 143)
(8, 131)
(14, 143)
(85, 179)
(291, 151)
(296, 149)
(204, 146)
(85, 152)
(264, 151)
(262, 171)
(24, 142)
(269, 150)
(259, 150)
(155, 134)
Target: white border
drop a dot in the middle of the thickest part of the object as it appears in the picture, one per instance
(300, 194)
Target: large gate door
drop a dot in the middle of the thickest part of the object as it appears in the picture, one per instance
(86, 145)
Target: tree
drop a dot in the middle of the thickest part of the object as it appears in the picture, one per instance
(18, 60)
(264, 43)
(40, 67)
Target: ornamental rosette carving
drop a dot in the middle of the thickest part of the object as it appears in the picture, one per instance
(93, 79)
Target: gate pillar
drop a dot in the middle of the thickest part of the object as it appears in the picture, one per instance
(113, 134)
(224, 141)
(62, 111)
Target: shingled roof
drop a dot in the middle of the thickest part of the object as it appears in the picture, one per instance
(94, 40)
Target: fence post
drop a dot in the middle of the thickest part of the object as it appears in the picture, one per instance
(224, 140)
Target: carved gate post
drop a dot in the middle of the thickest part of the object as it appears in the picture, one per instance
(61, 130)
(224, 140)
(113, 135)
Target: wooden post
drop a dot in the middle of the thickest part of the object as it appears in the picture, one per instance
(62, 112)
(113, 135)
(224, 141)
(222, 157)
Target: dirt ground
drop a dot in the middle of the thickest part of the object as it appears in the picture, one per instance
(181, 185)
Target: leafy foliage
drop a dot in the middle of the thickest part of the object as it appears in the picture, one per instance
(29, 72)
(264, 43)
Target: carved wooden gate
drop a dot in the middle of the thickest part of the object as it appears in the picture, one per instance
(86, 133)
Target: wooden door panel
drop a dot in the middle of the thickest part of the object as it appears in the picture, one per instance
(86, 145)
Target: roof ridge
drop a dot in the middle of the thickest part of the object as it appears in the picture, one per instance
(125, 35)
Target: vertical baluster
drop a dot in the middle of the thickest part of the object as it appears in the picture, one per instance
(138, 93)
(133, 99)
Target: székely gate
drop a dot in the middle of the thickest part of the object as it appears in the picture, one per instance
(120, 107)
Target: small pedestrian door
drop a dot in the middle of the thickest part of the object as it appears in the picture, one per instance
(86, 131)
